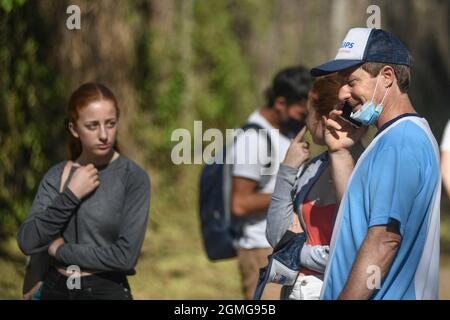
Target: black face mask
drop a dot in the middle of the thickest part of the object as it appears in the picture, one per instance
(291, 127)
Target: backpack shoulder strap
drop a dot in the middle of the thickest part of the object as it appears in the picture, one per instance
(65, 175)
(253, 125)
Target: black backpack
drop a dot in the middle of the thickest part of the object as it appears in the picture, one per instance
(220, 229)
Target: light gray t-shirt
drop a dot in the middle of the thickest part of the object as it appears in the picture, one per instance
(251, 155)
(104, 231)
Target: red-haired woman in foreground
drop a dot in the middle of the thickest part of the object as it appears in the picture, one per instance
(97, 222)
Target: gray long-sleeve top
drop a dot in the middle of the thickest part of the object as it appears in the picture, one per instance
(281, 215)
(104, 231)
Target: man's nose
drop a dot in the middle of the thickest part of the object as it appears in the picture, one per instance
(344, 93)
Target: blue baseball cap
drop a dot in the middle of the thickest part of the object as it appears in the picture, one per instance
(365, 45)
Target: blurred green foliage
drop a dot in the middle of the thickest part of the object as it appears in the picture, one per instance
(198, 73)
(8, 5)
(193, 67)
(190, 60)
(29, 96)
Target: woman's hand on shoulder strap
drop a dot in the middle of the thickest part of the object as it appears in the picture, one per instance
(84, 181)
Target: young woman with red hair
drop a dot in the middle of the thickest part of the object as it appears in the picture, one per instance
(95, 221)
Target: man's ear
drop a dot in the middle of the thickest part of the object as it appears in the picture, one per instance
(388, 75)
(280, 104)
(73, 129)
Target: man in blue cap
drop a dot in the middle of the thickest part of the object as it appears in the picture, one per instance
(385, 241)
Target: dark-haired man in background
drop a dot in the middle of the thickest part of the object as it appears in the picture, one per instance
(285, 110)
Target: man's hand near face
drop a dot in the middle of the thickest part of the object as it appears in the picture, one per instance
(340, 137)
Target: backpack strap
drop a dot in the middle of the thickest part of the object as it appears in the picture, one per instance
(65, 175)
(253, 125)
